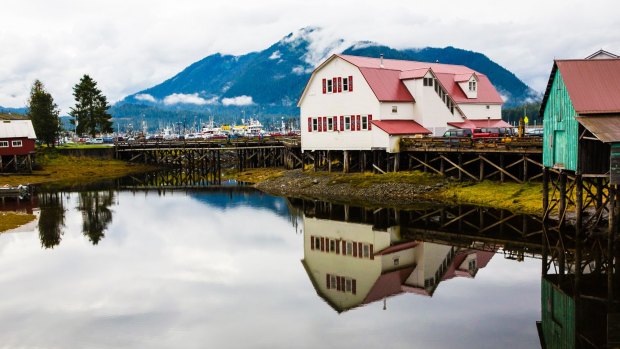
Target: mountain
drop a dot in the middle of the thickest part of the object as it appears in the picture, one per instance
(21, 111)
(267, 84)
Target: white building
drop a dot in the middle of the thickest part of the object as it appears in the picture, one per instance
(360, 103)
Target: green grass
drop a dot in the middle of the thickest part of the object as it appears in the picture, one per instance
(64, 169)
(524, 198)
(12, 220)
(366, 179)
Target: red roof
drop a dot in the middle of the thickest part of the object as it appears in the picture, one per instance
(400, 127)
(386, 81)
(593, 85)
(478, 123)
(486, 92)
(388, 284)
(386, 85)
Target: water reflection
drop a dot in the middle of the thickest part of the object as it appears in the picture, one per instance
(51, 219)
(185, 268)
(352, 264)
(96, 213)
(580, 298)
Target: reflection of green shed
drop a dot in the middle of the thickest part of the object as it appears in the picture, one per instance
(581, 110)
(569, 320)
(558, 317)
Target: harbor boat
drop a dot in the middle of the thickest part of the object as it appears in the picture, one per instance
(20, 191)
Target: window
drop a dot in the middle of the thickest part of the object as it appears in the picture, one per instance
(332, 281)
(329, 85)
(396, 261)
(349, 248)
(428, 82)
(366, 251)
(317, 243)
(4, 144)
(394, 109)
(330, 124)
(364, 122)
(472, 85)
(345, 84)
(472, 264)
(348, 285)
(332, 246)
(347, 122)
(315, 124)
(16, 144)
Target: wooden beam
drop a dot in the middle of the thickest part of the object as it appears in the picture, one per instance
(460, 168)
(425, 164)
(501, 169)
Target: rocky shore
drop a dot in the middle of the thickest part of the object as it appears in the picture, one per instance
(357, 189)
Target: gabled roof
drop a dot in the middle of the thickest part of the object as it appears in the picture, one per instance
(17, 129)
(479, 123)
(386, 85)
(602, 54)
(391, 85)
(486, 92)
(400, 127)
(593, 85)
(464, 77)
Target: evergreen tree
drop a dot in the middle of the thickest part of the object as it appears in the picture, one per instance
(91, 108)
(44, 114)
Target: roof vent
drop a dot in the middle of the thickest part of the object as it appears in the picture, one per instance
(381, 64)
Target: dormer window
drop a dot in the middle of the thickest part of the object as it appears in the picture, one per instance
(472, 85)
(428, 82)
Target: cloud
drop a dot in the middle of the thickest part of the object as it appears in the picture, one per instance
(99, 37)
(238, 101)
(146, 97)
(275, 55)
(181, 98)
(299, 70)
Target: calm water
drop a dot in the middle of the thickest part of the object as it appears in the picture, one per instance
(231, 269)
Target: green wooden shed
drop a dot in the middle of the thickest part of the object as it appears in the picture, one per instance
(581, 115)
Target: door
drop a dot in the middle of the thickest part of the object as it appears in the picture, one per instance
(559, 149)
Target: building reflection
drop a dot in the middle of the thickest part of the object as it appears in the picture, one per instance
(579, 291)
(353, 264)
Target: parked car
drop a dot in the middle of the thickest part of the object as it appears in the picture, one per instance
(458, 132)
(534, 132)
(486, 132)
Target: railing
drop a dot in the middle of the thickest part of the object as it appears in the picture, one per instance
(471, 143)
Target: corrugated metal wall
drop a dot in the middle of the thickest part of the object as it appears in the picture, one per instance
(558, 317)
(560, 128)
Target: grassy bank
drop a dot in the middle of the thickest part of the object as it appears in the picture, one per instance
(61, 169)
(12, 220)
(523, 198)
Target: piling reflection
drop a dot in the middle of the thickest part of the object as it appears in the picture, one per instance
(355, 256)
(579, 290)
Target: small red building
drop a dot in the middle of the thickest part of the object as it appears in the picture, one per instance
(17, 143)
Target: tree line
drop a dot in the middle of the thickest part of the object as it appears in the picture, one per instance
(90, 113)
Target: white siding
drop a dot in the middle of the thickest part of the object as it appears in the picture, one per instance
(480, 111)
(430, 110)
(404, 111)
(361, 101)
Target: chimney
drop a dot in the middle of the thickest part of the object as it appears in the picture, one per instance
(381, 64)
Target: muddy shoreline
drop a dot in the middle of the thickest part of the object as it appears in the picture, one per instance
(321, 186)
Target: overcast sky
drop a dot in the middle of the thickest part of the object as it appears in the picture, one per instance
(129, 45)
